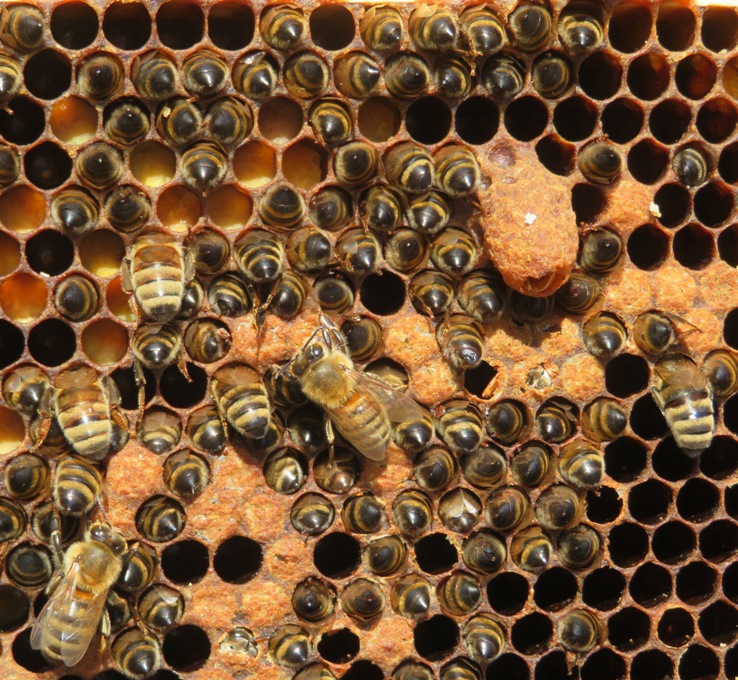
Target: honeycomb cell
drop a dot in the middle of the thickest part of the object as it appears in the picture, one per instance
(628, 629)
(622, 120)
(23, 297)
(180, 24)
(647, 161)
(332, 27)
(22, 209)
(101, 253)
(531, 634)
(674, 542)
(339, 646)
(127, 25)
(47, 166)
(337, 555)
(713, 204)
(716, 120)
(719, 28)
(575, 118)
(74, 25)
(628, 544)
(73, 121)
(383, 293)
(231, 25)
(675, 26)
(117, 301)
(476, 120)
(720, 459)
(185, 562)
(49, 253)
(14, 608)
(12, 431)
(180, 392)
(630, 26)
(178, 208)
(669, 120)
(509, 666)
(600, 75)
(507, 593)
(674, 202)
(280, 120)
(697, 500)
(436, 638)
(648, 247)
(587, 201)
(22, 121)
(27, 657)
(649, 502)
(186, 648)
(10, 254)
(694, 247)
(379, 119)
(555, 589)
(699, 662)
(48, 74)
(625, 459)
(254, 164)
(435, 554)
(650, 585)
(626, 375)
(526, 118)
(305, 164)
(152, 164)
(603, 505)
(695, 76)
(105, 342)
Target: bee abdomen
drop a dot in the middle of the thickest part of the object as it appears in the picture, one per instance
(248, 410)
(77, 485)
(364, 421)
(692, 419)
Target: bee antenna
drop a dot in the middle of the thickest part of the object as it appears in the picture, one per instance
(102, 512)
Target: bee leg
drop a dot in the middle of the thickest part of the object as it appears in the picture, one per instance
(189, 265)
(56, 540)
(140, 378)
(104, 629)
(45, 412)
(331, 437)
(182, 365)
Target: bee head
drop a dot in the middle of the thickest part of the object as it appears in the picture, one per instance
(104, 533)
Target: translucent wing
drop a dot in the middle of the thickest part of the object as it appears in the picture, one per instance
(680, 373)
(400, 408)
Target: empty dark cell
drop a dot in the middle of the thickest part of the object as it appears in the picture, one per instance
(507, 593)
(231, 25)
(625, 459)
(428, 120)
(698, 500)
(587, 201)
(651, 664)
(630, 26)
(730, 582)
(186, 648)
(649, 502)
(675, 26)
(716, 120)
(674, 202)
(180, 24)
(555, 589)
(436, 638)
(719, 28)
(363, 670)
(185, 562)
(719, 541)
(603, 505)
(713, 204)
(556, 155)
(695, 76)
(600, 75)
(695, 583)
(603, 588)
(699, 663)
(383, 293)
(21, 121)
(532, 634)
(676, 627)
(526, 118)
(728, 163)
(730, 664)
(337, 555)
(730, 328)
(670, 463)
(180, 392)
(628, 544)
(648, 76)
(47, 165)
(673, 542)
(477, 380)
(604, 664)
(14, 608)
(49, 252)
(646, 419)
(694, 247)
(52, 342)
(477, 120)
(622, 120)
(125, 380)
(127, 25)
(669, 120)
(48, 74)
(727, 244)
(238, 559)
(25, 656)
(731, 501)
(555, 666)
(628, 629)
(730, 413)
(575, 118)
(11, 343)
(435, 554)
(626, 374)
(650, 585)
(339, 646)
(720, 459)
(332, 27)
(74, 25)
(647, 161)
(508, 666)
(648, 247)
(718, 623)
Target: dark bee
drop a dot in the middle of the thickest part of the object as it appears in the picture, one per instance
(127, 208)
(24, 388)
(581, 464)
(314, 599)
(556, 420)
(228, 121)
(579, 630)
(312, 514)
(156, 346)
(273, 436)
(578, 547)
(531, 26)
(136, 654)
(461, 340)
(49, 444)
(77, 485)
(405, 250)
(207, 340)
(186, 474)
(382, 207)
(484, 552)
(531, 549)
(154, 75)
(363, 337)
(483, 29)
(99, 165)
(45, 520)
(601, 249)
(433, 28)
(603, 420)
(330, 119)
(551, 75)
(457, 170)
(721, 370)
(204, 165)
(356, 163)
(11, 76)
(289, 295)
(604, 335)
(362, 514)
(358, 252)
(691, 166)
(179, 121)
(581, 28)
(434, 469)
(381, 28)
(283, 388)
(331, 208)
(384, 556)
(600, 162)
(100, 75)
(160, 519)
(334, 294)
(407, 76)
(159, 429)
(9, 165)
(429, 213)
(654, 332)
(459, 593)
(255, 75)
(139, 567)
(484, 467)
(306, 75)
(205, 430)
(484, 637)
(285, 471)
(413, 512)
(314, 671)
(289, 645)
(460, 668)
(410, 168)
(260, 256)
(22, 27)
(160, 607)
(204, 73)
(415, 435)
(363, 600)
(210, 249)
(506, 508)
(308, 250)
(481, 294)
(529, 309)
(507, 421)
(411, 596)
(241, 399)
(453, 251)
(12, 520)
(530, 464)
(558, 507)
(29, 565)
(459, 425)
(411, 670)
(459, 510)
(431, 292)
(282, 26)
(356, 75)
(282, 207)
(192, 299)
(26, 476)
(503, 75)
(118, 611)
(453, 77)
(126, 121)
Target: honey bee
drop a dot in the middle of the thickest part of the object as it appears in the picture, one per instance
(228, 120)
(459, 510)
(603, 420)
(654, 332)
(433, 28)
(453, 77)
(684, 396)
(89, 568)
(282, 26)
(282, 207)
(288, 296)
(531, 26)
(9, 165)
(26, 476)
(306, 75)
(485, 467)
(156, 271)
(381, 207)
(556, 420)
(289, 646)
(385, 555)
(721, 369)
(431, 292)
(581, 30)
(12, 520)
(160, 607)
(405, 250)
(600, 162)
(506, 508)
(100, 75)
(22, 27)
(194, 295)
(11, 76)
(207, 340)
(578, 547)
(204, 73)
(312, 514)
(186, 474)
(334, 294)
(484, 637)
(156, 346)
(531, 549)
(24, 388)
(260, 256)
(136, 654)
(601, 249)
(178, 121)
(504, 76)
(483, 29)
(484, 552)
(415, 435)
(412, 670)
(255, 75)
(358, 252)
(410, 168)
(460, 668)
(407, 75)
(361, 408)
(99, 165)
(363, 600)
(160, 519)
(308, 250)
(241, 400)
(691, 166)
(46, 519)
(356, 163)
(434, 469)
(331, 208)
(507, 421)
(154, 75)
(558, 507)
(205, 430)
(204, 165)
(459, 425)
(411, 596)
(531, 463)
(139, 567)
(211, 249)
(381, 28)
(77, 485)
(580, 630)
(363, 337)
(314, 599)
(604, 335)
(127, 208)
(429, 213)
(457, 170)
(581, 464)
(126, 121)
(453, 251)
(461, 341)
(29, 565)
(551, 75)
(362, 514)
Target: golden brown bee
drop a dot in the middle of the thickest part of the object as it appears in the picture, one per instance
(483, 29)
(531, 549)
(503, 75)
(531, 26)
(603, 420)
(721, 370)
(241, 400)
(578, 547)
(356, 163)
(506, 508)
(127, 208)
(433, 28)
(530, 464)
(154, 75)
(556, 420)
(100, 75)
(255, 75)
(29, 565)
(654, 332)
(484, 552)
(136, 654)
(385, 555)
(413, 512)
(434, 469)
(331, 121)
(552, 75)
(285, 471)
(159, 429)
(459, 594)
(600, 162)
(282, 26)
(282, 207)
(207, 340)
(260, 256)
(691, 166)
(363, 337)
(507, 421)
(67, 623)
(12, 520)
(484, 467)
(26, 476)
(77, 485)
(289, 646)
(228, 120)
(306, 75)
(155, 346)
(356, 75)
(308, 250)
(312, 514)
(429, 213)
(156, 271)
(431, 292)
(186, 474)
(314, 599)
(461, 340)
(684, 396)
(416, 434)
(410, 168)
(601, 249)
(407, 76)
(204, 73)
(358, 252)
(453, 77)
(363, 600)
(22, 27)
(484, 637)
(9, 165)
(405, 250)
(581, 464)
(178, 121)
(205, 430)
(126, 121)
(334, 294)
(289, 295)
(459, 425)
(457, 170)
(381, 28)
(362, 514)
(74, 210)
(411, 670)
(24, 388)
(160, 519)
(411, 596)
(99, 165)
(381, 207)
(558, 507)
(331, 208)
(139, 567)
(453, 251)
(604, 335)
(459, 510)
(581, 29)
(579, 630)
(11, 76)
(160, 607)
(204, 165)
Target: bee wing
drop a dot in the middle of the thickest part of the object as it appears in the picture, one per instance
(400, 408)
(679, 374)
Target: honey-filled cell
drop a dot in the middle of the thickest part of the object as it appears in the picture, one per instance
(104, 342)
(229, 207)
(22, 209)
(23, 297)
(101, 253)
(118, 301)
(12, 430)
(10, 254)
(280, 120)
(305, 164)
(73, 121)
(255, 164)
(379, 119)
(178, 208)
(153, 164)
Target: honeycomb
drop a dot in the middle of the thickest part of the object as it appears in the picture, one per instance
(551, 527)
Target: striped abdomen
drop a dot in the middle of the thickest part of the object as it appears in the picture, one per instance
(77, 485)
(244, 406)
(363, 422)
(157, 275)
(690, 415)
(84, 417)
